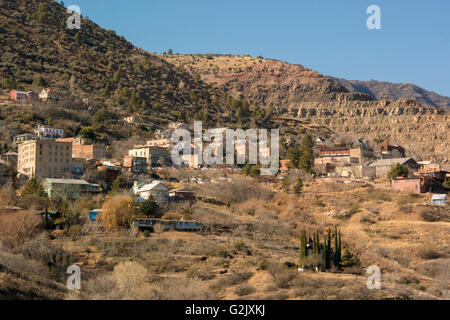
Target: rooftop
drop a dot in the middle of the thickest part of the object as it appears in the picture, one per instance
(68, 181)
(439, 197)
(389, 162)
(151, 186)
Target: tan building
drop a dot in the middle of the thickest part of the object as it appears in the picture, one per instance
(163, 143)
(85, 149)
(156, 156)
(45, 159)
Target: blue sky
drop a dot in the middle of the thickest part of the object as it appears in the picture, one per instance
(329, 36)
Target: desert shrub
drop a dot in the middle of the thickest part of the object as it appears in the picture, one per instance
(183, 289)
(129, 276)
(235, 278)
(378, 195)
(283, 279)
(368, 218)
(53, 256)
(431, 214)
(17, 228)
(428, 252)
(16, 263)
(238, 190)
(244, 290)
(202, 272)
(212, 220)
(118, 212)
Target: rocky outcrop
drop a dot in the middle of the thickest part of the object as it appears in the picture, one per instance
(300, 95)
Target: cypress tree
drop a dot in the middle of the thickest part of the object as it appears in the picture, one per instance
(314, 244)
(302, 247)
(328, 250)
(339, 249)
(336, 248)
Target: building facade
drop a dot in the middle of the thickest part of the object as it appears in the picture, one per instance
(69, 188)
(383, 166)
(156, 190)
(45, 159)
(46, 132)
(156, 156)
(407, 185)
(135, 164)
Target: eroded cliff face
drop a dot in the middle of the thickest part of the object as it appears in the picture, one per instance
(423, 131)
(300, 95)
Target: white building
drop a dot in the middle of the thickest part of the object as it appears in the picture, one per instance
(46, 132)
(156, 190)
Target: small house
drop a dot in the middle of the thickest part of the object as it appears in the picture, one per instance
(407, 185)
(439, 199)
(93, 214)
(383, 166)
(46, 94)
(156, 190)
(69, 188)
(182, 195)
(23, 95)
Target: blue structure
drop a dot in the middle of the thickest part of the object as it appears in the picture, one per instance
(93, 214)
(438, 199)
(149, 224)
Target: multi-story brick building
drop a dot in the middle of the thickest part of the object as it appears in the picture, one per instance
(156, 156)
(135, 164)
(85, 149)
(45, 159)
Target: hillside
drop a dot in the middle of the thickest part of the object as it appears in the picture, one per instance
(39, 51)
(303, 98)
(379, 90)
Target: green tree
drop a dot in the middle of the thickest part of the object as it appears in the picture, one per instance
(303, 247)
(42, 13)
(118, 185)
(101, 118)
(337, 248)
(298, 186)
(9, 83)
(327, 251)
(193, 96)
(87, 133)
(399, 170)
(293, 154)
(33, 187)
(39, 82)
(286, 185)
(149, 207)
(306, 158)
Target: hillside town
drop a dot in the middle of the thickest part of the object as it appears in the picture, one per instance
(223, 154)
(59, 162)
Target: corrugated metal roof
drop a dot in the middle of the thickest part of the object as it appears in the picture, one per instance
(68, 181)
(439, 197)
(152, 186)
(389, 162)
